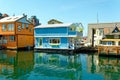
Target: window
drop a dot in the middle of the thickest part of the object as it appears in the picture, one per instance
(10, 27)
(54, 41)
(19, 28)
(22, 25)
(4, 40)
(109, 43)
(101, 31)
(30, 29)
(26, 26)
(12, 38)
(4, 28)
(72, 28)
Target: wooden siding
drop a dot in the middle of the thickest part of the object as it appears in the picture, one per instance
(25, 40)
(7, 32)
(24, 30)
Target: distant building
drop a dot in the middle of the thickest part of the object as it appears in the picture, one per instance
(97, 31)
(16, 32)
(34, 20)
(54, 21)
(112, 38)
(3, 15)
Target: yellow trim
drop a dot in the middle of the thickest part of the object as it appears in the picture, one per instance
(110, 40)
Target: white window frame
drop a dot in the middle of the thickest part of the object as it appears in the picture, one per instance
(4, 27)
(52, 43)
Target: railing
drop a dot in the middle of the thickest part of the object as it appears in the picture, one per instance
(61, 34)
(49, 34)
(79, 34)
(72, 33)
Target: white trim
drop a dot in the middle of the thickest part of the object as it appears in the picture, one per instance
(54, 43)
(11, 19)
(54, 25)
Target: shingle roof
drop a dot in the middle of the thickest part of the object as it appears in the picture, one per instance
(11, 19)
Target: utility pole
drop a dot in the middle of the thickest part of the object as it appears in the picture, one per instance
(97, 18)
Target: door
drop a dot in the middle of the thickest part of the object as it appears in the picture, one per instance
(40, 42)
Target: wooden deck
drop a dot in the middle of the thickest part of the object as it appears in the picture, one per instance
(109, 50)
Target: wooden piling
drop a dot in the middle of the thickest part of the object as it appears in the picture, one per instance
(117, 51)
(109, 50)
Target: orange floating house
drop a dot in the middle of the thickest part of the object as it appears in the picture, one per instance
(16, 32)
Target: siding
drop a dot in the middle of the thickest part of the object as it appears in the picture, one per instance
(24, 30)
(6, 32)
(50, 31)
(10, 44)
(25, 40)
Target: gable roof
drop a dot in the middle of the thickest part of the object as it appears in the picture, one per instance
(11, 18)
(116, 30)
(54, 25)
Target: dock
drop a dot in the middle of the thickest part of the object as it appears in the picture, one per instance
(71, 51)
(86, 50)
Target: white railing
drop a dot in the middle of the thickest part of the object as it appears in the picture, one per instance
(79, 34)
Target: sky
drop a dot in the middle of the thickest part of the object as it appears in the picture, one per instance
(67, 11)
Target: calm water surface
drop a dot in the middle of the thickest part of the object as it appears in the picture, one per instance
(30, 65)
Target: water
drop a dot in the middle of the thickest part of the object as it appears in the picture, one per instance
(30, 65)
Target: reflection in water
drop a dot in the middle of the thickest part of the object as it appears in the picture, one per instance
(110, 67)
(14, 64)
(58, 66)
(30, 65)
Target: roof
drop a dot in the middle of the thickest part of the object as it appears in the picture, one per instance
(116, 30)
(11, 18)
(54, 21)
(54, 25)
(104, 23)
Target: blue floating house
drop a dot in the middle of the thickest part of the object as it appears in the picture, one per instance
(58, 36)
